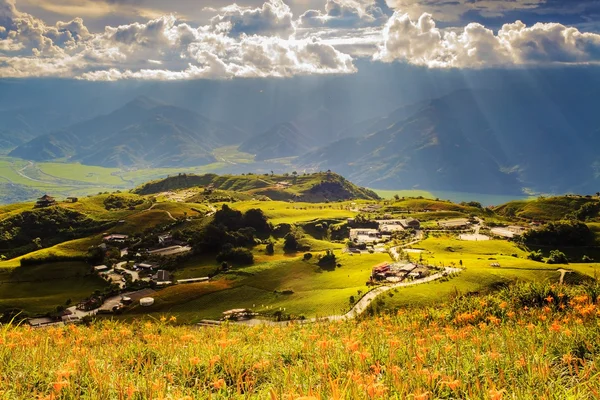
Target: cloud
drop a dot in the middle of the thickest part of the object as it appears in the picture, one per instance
(453, 10)
(273, 18)
(347, 14)
(420, 42)
(162, 49)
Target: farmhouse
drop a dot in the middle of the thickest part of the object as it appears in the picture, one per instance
(72, 199)
(116, 238)
(45, 201)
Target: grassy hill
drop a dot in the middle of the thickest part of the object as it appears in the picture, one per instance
(547, 208)
(318, 187)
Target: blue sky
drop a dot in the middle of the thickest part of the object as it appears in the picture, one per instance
(214, 39)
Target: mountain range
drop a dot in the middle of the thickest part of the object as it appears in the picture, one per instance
(144, 132)
(497, 132)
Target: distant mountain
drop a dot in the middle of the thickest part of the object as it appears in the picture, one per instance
(282, 140)
(478, 141)
(144, 132)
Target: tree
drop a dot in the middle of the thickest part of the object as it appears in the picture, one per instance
(396, 197)
(557, 257)
(291, 243)
(270, 249)
(535, 255)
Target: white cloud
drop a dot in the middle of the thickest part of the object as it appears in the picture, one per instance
(264, 42)
(422, 43)
(347, 14)
(161, 49)
(273, 18)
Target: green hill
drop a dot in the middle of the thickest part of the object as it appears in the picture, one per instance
(552, 208)
(318, 187)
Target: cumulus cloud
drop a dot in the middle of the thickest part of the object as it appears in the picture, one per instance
(273, 18)
(420, 42)
(163, 49)
(347, 14)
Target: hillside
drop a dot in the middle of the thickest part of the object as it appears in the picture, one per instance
(527, 342)
(316, 187)
(553, 208)
(482, 141)
(143, 133)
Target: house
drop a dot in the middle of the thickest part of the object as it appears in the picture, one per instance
(101, 268)
(162, 276)
(45, 201)
(72, 199)
(115, 238)
(146, 266)
(165, 240)
(411, 223)
(90, 304)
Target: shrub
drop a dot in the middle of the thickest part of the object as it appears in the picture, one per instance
(237, 255)
(557, 257)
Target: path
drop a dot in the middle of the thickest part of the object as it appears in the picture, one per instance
(360, 306)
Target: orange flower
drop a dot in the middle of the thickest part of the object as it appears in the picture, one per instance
(219, 384)
(58, 386)
(453, 385)
(422, 396)
(496, 394)
(194, 360)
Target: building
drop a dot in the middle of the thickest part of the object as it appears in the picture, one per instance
(411, 223)
(364, 235)
(45, 201)
(72, 199)
(115, 238)
(146, 266)
(165, 240)
(101, 268)
(508, 232)
(162, 276)
(454, 223)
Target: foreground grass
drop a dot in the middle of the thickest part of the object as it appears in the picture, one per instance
(526, 342)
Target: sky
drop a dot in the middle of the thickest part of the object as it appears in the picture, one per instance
(111, 40)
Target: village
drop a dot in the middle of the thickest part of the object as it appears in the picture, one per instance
(137, 274)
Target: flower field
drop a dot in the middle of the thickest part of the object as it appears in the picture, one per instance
(529, 341)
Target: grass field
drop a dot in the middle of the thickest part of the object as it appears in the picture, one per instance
(478, 275)
(457, 197)
(283, 212)
(527, 342)
(316, 292)
(40, 288)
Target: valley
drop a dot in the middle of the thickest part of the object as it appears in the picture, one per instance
(278, 271)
